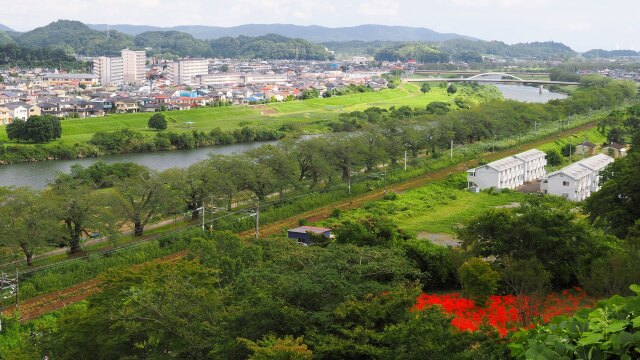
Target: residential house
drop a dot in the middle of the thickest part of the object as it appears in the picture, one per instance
(614, 150)
(126, 106)
(585, 149)
(5, 116)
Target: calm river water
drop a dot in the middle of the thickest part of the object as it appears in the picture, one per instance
(37, 174)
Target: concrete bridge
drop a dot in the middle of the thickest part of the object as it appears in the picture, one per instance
(475, 72)
(486, 77)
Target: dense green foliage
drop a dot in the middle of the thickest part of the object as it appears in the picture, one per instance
(172, 42)
(420, 52)
(48, 57)
(38, 129)
(344, 302)
(610, 331)
(268, 47)
(608, 54)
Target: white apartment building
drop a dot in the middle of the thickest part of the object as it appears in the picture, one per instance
(577, 181)
(133, 66)
(219, 79)
(265, 78)
(534, 163)
(508, 173)
(109, 70)
(184, 71)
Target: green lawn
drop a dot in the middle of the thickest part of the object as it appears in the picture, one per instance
(311, 114)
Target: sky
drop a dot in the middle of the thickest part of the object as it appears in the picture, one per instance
(580, 24)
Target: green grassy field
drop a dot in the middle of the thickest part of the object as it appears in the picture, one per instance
(310, 114)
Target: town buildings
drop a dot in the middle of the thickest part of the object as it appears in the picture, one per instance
(109, 70)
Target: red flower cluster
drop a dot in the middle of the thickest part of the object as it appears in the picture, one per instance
(504, 313)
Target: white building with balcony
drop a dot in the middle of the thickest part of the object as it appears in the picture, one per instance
(534, 163)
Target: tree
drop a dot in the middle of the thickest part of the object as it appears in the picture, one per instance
(224, 68)
(16, 130)
(143, 197)
(29, 220)
(425, 88)
(452, 89)
(616, 135)
(530, 282)
(616, 206)
(193, 185)
(39, 129)
(554, 158)
(438, 108)
(157, 121)
(544, 229)
(478, 279)
(272, 348)
(82, 209)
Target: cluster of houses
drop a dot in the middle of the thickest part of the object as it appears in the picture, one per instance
(575, 182)
(155, 86)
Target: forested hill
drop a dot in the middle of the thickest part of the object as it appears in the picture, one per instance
(456, 49)
(604, 54)
(312, 33)
(268, 47)
(77, 38)
(5, 28)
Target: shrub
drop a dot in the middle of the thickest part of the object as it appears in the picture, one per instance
(478, 279)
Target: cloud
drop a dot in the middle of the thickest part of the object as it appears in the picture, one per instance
(379, 8)
(500, 3)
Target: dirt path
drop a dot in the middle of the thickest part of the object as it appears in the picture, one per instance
(45, 303)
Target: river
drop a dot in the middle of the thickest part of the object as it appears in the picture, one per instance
(37, 174)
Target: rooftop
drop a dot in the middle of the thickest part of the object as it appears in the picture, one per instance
(574, 171)
(505, 163)
(529, 155)
(597, 162)
(312, 229)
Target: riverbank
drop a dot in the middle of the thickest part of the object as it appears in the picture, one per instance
(190, 129)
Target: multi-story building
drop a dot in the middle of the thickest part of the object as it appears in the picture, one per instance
(219, 79)
(534, 163)
(133, 66)
(508, 173)
(265, 78)
(109, 70)
(577, 181)
(184, 71)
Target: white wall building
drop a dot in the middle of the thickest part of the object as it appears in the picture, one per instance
(184, 71)
(510, 172)
(133, 66)
(534, 163)
(507, 173)
(577, 181)
(219, 79)
(109, 70)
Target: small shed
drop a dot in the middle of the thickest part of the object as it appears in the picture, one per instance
(302, 233)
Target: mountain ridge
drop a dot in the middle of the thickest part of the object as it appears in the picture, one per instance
(315, 33)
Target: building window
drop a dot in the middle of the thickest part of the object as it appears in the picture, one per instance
(565, 183)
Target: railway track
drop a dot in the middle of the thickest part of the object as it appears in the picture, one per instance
(40, 305)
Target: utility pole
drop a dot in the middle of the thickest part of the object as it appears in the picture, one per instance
(405, 160)
(451, 155)
(203, 215)
(349, 182)
(535, 127)
(257, 220)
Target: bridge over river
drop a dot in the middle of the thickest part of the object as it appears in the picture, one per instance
(491, 78)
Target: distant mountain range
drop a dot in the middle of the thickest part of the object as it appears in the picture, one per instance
(5, 28)
(312, 33)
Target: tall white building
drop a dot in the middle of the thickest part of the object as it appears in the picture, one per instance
(133, 66)
(184, 71)
(108, 70)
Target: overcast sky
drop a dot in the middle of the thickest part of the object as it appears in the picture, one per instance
(581, 24)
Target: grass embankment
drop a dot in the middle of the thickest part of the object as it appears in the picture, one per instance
(311, 115)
